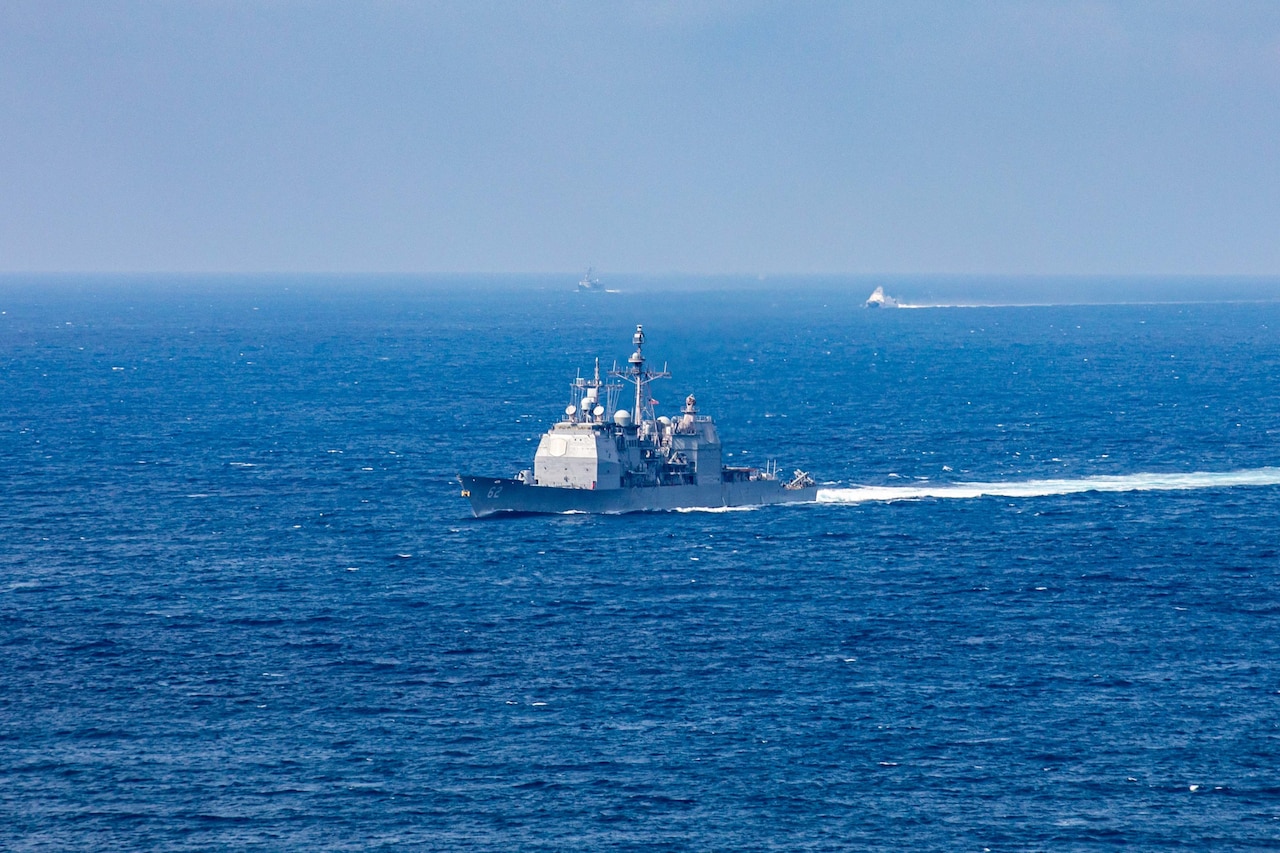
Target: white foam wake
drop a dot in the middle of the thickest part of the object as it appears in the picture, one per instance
(1041, 488)
(717, 508)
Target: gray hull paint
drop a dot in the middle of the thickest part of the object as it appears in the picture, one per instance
(490, 495)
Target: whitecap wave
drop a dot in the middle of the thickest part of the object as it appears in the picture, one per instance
(1144, 482)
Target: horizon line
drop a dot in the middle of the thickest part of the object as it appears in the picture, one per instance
(760, 276)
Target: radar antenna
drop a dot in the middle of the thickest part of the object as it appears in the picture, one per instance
(640, 376)
(591, 407)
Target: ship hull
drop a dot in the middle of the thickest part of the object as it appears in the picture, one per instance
(492, 495)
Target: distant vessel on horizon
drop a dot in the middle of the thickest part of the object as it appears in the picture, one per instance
(589, 283)
(879, 299)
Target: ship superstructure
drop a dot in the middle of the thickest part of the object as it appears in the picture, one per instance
(603, 458)
(880, 299)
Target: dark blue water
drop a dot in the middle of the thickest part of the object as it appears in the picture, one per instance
(242, 605)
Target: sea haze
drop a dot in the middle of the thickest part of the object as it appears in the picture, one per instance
(243, 606)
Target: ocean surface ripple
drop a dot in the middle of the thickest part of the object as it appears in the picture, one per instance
(242, 605)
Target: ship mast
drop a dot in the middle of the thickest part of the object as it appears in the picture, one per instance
(638, 375)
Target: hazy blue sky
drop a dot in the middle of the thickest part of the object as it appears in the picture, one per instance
(808, 137)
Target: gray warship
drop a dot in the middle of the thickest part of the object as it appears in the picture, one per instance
(603, 459)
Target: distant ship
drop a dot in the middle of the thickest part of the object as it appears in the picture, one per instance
(879, 299)
(588, 282)
(602, 459)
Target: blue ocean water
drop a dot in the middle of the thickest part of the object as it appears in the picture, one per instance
(242, 605)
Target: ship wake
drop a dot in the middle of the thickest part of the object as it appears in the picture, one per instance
(746, 508)
(1145, 482)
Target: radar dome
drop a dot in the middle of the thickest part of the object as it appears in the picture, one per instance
(622, 418)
